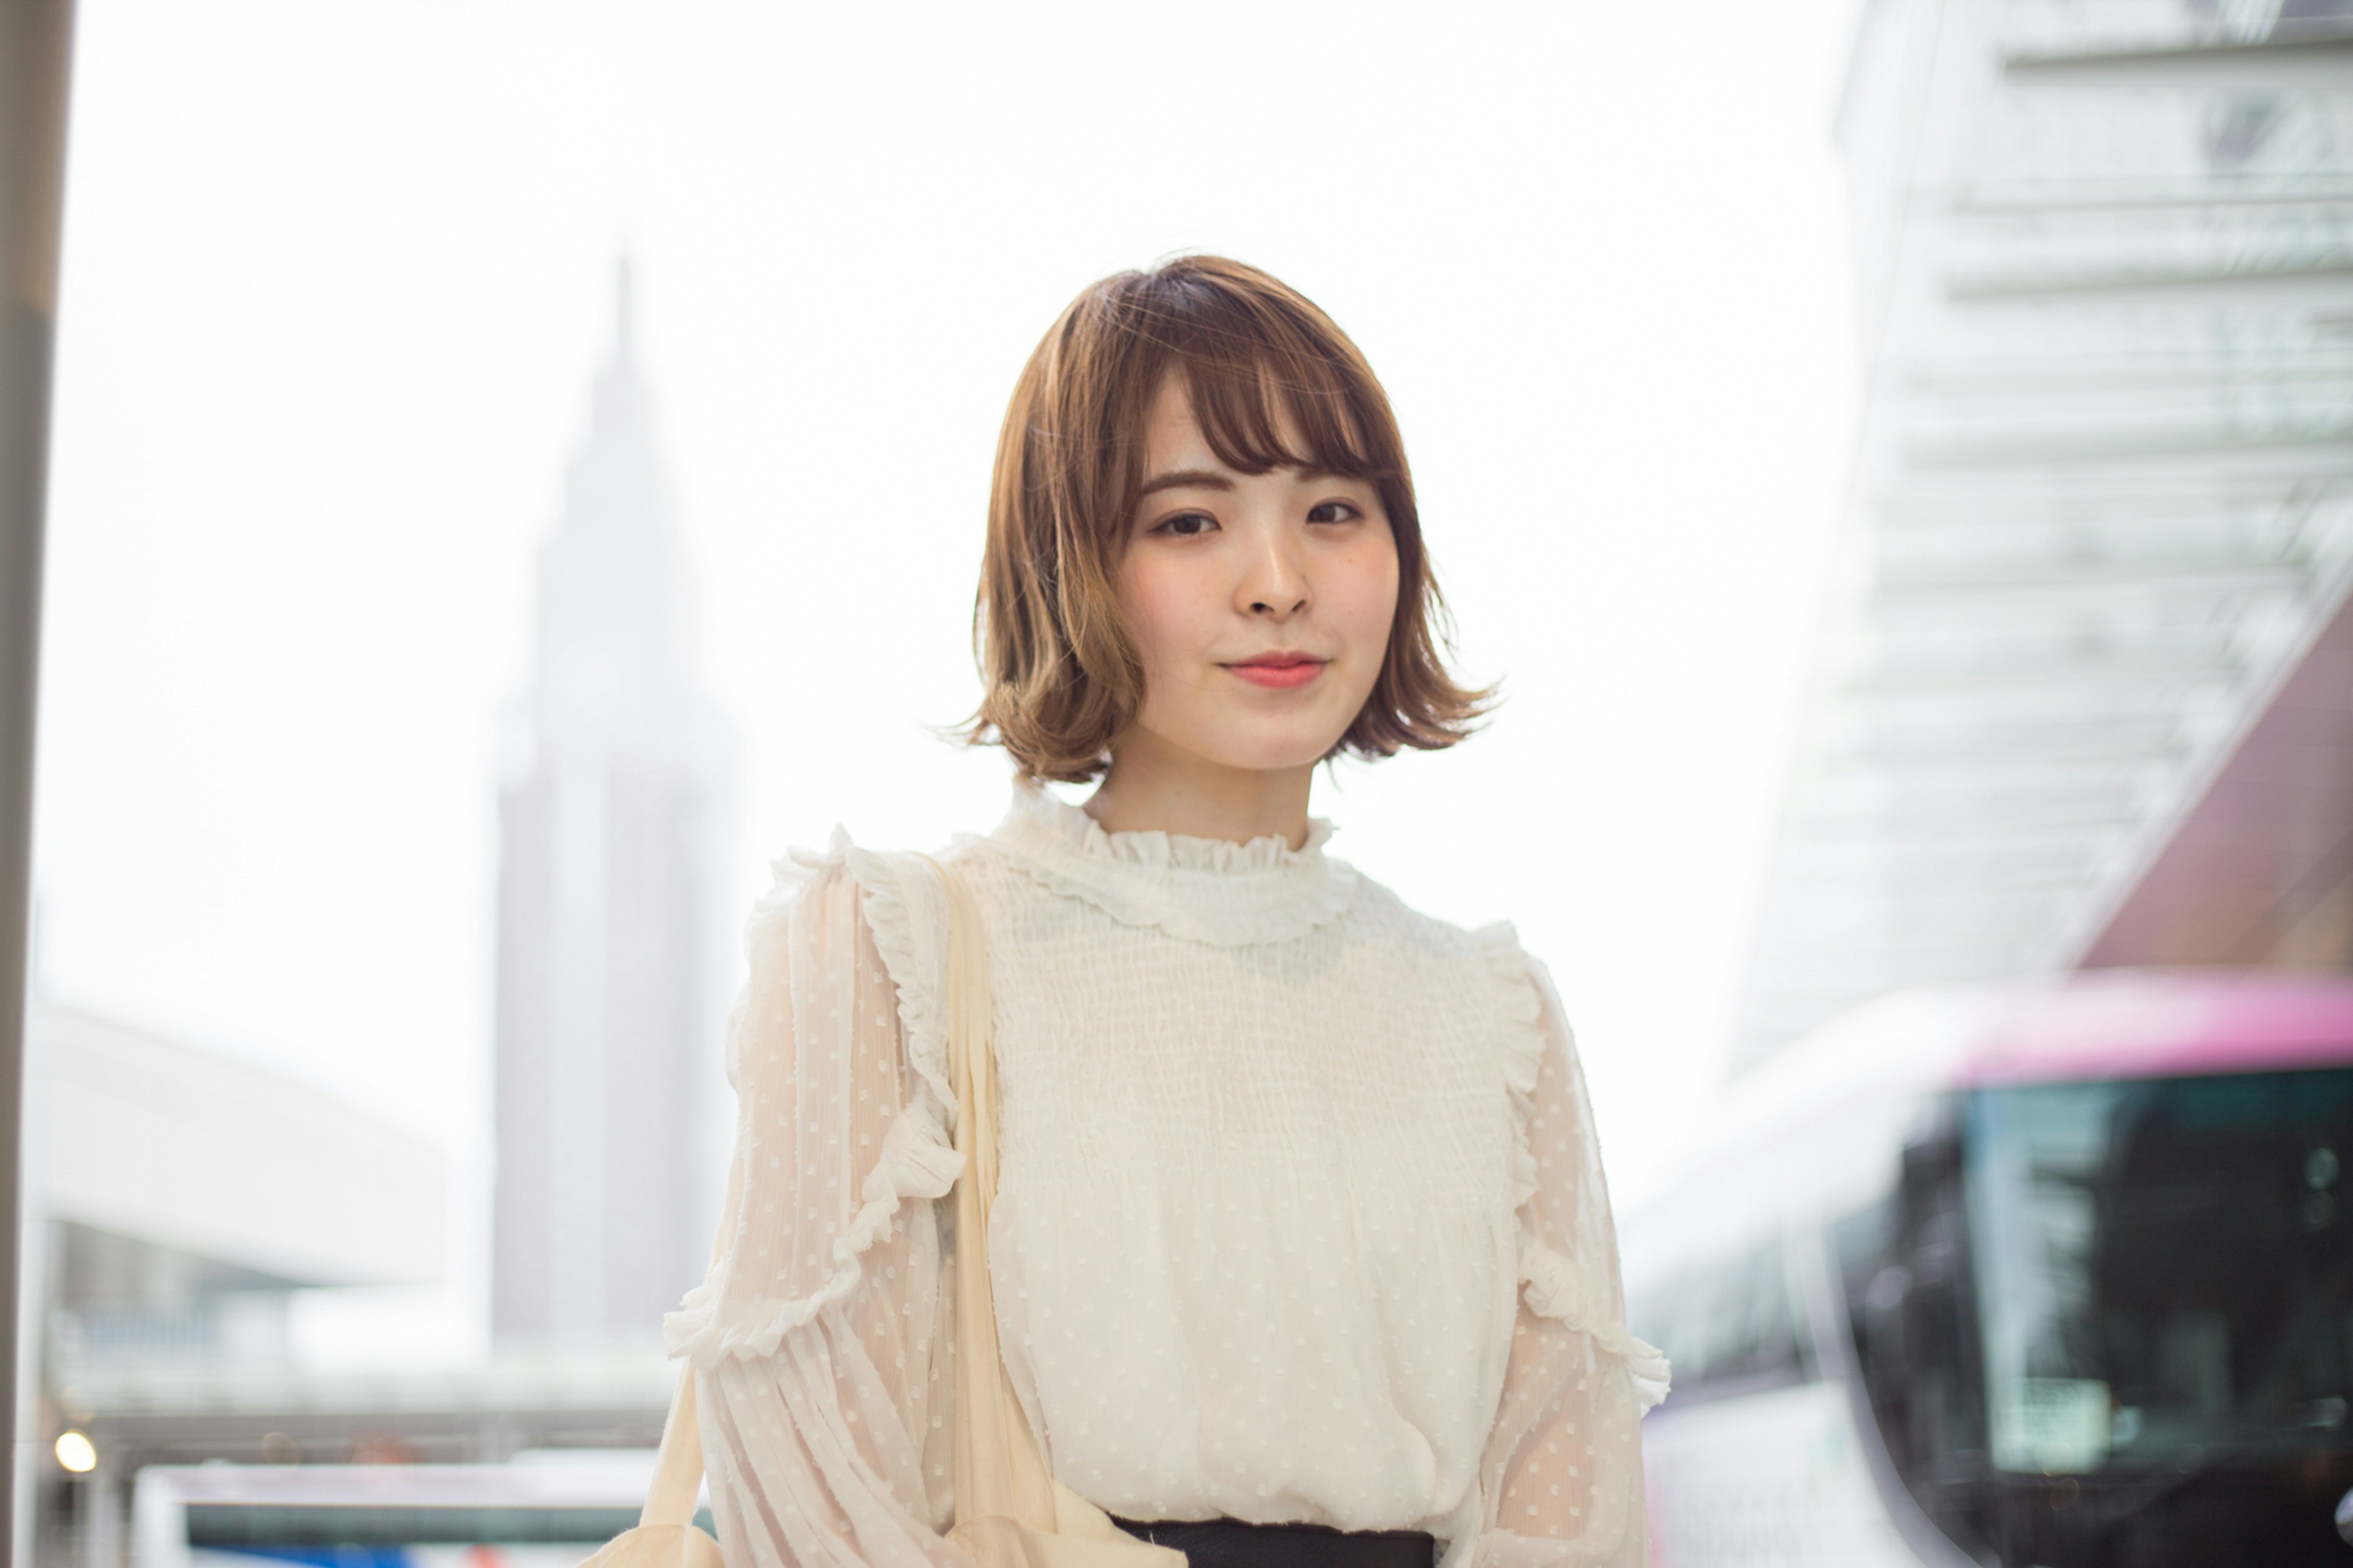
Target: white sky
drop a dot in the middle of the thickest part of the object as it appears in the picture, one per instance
(337, 277)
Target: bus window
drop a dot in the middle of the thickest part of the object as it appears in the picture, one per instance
(2167, 1269)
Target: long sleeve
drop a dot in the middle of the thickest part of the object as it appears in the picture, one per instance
(821, 1338)
(1561, 1478)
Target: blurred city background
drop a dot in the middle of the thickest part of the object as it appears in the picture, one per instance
(519, 467)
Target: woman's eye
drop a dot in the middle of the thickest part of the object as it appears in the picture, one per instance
(1186, 524)
(1331, 512)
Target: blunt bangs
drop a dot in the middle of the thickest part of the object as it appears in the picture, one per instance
(1244, 377)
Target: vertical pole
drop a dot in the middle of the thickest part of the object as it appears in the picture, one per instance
(36, 38)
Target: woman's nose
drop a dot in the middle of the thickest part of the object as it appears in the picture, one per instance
(1277, 585)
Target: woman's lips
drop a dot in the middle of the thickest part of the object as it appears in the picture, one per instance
(1280, 670)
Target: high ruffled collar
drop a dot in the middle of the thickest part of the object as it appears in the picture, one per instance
(1204, 890)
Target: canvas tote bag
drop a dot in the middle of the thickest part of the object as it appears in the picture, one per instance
(1010, 1512)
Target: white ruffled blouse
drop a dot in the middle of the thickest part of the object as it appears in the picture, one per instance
(1300, 1215)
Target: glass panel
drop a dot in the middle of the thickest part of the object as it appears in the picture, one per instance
(2031, 148)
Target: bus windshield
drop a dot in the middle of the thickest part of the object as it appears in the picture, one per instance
(2164, 1269)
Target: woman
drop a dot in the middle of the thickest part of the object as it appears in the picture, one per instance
(1301, 1220)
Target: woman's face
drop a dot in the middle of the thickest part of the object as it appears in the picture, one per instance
(1260, 604)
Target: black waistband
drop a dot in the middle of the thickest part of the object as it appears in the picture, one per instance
(1230, 1543)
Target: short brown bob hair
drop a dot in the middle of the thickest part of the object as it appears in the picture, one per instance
(1062, 679)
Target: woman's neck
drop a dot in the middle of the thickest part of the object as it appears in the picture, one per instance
(1153, 786)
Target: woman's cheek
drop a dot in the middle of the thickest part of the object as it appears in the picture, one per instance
(1372, 599)
(1162, 604)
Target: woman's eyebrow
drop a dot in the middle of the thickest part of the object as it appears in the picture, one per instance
(1187, 479)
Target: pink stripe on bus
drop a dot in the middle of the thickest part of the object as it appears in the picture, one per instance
(2111, 1023)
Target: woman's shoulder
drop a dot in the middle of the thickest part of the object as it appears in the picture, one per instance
(886, 882)
(896, 892)
(1380, 907)
(1515, 983)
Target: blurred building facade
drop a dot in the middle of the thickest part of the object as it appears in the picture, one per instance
(613, 821)
(2102, 515)
(182, 1205)
(179, 1201)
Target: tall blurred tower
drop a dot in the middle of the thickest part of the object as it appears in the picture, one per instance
(2103, 501)
(614, 805)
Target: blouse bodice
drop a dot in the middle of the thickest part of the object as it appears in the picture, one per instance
(1300, 1214)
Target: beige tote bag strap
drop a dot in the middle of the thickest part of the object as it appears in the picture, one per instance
(678, 1467)
(1010, 1512)
(666, 1535)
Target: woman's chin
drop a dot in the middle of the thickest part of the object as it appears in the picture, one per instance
(1244, 738)
(1274, 753)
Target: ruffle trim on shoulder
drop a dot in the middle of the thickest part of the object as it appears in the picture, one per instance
(1520, 1044)
(1203, 889)
(1557, 1290)
(791, 874)
(906, 908)
(906, 913)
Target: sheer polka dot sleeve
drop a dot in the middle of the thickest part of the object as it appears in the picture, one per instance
(1561, 1479)
(820, 1339)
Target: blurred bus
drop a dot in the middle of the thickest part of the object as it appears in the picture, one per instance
(2057, 1275)
(541, 1511)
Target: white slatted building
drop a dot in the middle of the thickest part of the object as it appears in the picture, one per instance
(2103, 502)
